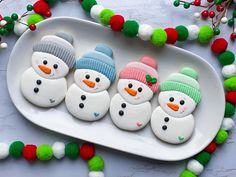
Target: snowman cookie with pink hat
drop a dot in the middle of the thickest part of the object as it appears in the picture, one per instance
(173, 121)
(130, 109)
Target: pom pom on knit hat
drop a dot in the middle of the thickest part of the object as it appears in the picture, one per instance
(99, 60)
(144, 71)
(185, 81)
(59, 45)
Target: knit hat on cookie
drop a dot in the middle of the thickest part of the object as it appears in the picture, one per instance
(99, 60)
(59, 45)
(185, 81)
(144, 71)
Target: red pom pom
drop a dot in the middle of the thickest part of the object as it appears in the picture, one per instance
(231, 97)
(211, 148)
(117, 22)
(42, 8)
(87, 151)
(219, 45)
(29, 152)
(172, 35)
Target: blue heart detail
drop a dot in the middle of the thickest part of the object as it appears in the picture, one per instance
(96, 114)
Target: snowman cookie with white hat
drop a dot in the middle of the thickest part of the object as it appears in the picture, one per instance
(130, 109)
(87, 99)
(173, 121)
(44, 83)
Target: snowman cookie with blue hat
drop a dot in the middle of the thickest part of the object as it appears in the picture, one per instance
(173, 121)
(44, 83)
(88, 99)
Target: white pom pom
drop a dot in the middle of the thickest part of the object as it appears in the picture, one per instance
(19, 28)
(193, 31)
(96, 174)
(224, 20)
(3, 23)
(4, 150)
(58, 150)
(145, 32)
(196, 15)
(194, 166)
(95, 11)
(229, 70)
(227, 124)
(3, 45)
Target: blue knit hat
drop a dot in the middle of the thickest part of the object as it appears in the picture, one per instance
(99, 60)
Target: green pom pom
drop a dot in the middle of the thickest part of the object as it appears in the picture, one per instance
(96, 163)
(229, 110)
(105, 16)
(187, 173)
(182, 33)
(34, 18)
(130, 28)
(230, 84)
(205, 34)
(221, 136)
(10, 24)
(159, 37)
(88, 4)
(189, 72)
(203, 157)
(51, 3)
(72, 150)
(44, 152)
(226, 58)
(15, 149)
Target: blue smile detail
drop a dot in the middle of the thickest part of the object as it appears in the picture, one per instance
(96, 114)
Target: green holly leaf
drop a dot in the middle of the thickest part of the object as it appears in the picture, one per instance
(154, 80)
(148, 78)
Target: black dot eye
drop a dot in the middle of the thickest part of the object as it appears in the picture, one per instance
(171, 99)
(97, 79)
(182, 102)
(87, 76)
(55, 66)
(130, 85)
(45, 62)
(140, 89)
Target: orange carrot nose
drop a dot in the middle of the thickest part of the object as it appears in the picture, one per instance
(89, 83)
(45, 69)
(130, 91)
(173, 106)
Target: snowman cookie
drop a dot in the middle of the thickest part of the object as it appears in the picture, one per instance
(44, 83)
(173, 121)
(130, 109)
(87, 99)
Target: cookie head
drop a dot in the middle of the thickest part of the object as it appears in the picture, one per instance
(176, 104)
(133, 91)
(91, 81)
(49, 66)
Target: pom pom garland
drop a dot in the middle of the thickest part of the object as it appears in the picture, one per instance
(195, 167)
(219, 45)
(226, 58)
(205, 34)
(29, 152)
(231, 97)
(117, 22)
(105, 16)
(193, 31)
(88, 4)
(58, 150)
(187, 173)
(16, 148)
(203, 157)
(159, 37)
(87, 151)
(72, 150)
(96, 163)
(172, 35)
(130, 28)
(228, 124)
(44, 152)
(221, 136)
(211, 148)
(230, 84)
(4, 150)
(34, 18)
(182, 33)
(229, 109)
(96, 174)
(96, 11)
(42, 8)
(145, 32)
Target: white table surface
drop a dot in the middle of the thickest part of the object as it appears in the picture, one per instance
(13, 126)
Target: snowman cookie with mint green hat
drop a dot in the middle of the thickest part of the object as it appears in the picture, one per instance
(130, 108)
(88, 99)
(173, 121)
(44, 83)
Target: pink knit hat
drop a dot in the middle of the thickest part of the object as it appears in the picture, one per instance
(144, 71)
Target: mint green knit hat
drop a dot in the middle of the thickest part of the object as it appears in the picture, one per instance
(185, 81)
